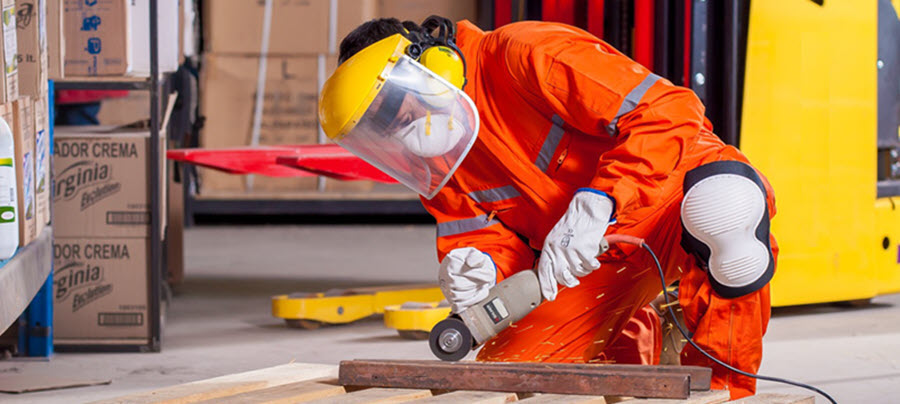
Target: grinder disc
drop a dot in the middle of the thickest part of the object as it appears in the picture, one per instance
(450, 340)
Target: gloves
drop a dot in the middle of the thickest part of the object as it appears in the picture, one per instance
(465, 277)
(571, 248)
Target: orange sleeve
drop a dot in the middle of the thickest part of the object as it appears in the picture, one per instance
(461, 223)
(601, 92)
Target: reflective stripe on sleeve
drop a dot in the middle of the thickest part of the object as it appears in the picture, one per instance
(464, 225)
(550, 144)
(631, 102)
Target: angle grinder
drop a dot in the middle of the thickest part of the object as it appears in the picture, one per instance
(507, 302)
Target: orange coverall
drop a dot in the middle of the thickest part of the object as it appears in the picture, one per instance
(561, 109)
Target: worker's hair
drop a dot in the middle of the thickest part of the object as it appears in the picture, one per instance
(373, 31)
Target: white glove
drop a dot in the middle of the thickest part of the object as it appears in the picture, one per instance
(466, 275)
(571, 248)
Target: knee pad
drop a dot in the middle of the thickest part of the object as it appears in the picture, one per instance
(726, 226)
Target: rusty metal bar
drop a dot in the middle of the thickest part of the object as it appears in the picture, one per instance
(701, 377)
(518, 378)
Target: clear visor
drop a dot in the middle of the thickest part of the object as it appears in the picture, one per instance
(418, 128)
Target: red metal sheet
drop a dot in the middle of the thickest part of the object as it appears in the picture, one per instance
(339, 167)
(240, 160)
(329, 160)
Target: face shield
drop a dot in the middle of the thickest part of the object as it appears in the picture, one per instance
(417, 129)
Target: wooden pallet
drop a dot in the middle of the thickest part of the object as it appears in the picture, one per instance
(312, 383)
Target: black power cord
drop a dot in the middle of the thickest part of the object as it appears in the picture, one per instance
(684, 332)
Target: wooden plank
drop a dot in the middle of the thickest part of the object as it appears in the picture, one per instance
(518, 379)
(697, 397)
(286, 393)
(229, 385)
(774, 398)
(187, 393)
(563, 399)
(700, 376)
(471, 397)
(375, 396)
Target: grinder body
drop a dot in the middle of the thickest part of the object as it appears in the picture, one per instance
(507, 302)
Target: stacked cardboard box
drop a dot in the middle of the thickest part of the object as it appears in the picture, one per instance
(302, 39)
(112, 37)
(26, 114)
(32, 51)
(29, 107)
(300, 53)
(101, 219)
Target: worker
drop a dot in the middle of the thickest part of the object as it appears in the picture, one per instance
(531, 142)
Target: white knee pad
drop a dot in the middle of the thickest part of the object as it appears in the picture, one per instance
(726, 225)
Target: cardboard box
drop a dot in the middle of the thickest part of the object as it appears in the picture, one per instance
(56, 41)
(297, 26)
(418, 10)
(112, 37)
(97, 39)
(41, 164)
(100, 289)
(10, 76)
(289, 112)
(100, 182)
(23, 133)
(31, 39)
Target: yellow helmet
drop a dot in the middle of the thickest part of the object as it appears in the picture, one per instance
(349, 92)
(385, 105)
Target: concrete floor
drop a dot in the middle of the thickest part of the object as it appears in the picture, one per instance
(219, 320)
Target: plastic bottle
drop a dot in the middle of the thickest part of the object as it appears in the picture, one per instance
(9, 217)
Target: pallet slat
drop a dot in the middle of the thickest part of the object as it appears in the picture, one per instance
(697, 397)
(471, 397)
(519, 379)
(563, 399)
(228, 385)
(774, 398)
(286, 393)
(375, 396)
(187, 393)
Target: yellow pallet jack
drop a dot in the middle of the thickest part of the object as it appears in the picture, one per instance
(341, 306)
(414, 320)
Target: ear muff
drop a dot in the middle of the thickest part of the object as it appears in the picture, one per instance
(445, 62)
(438, 53)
